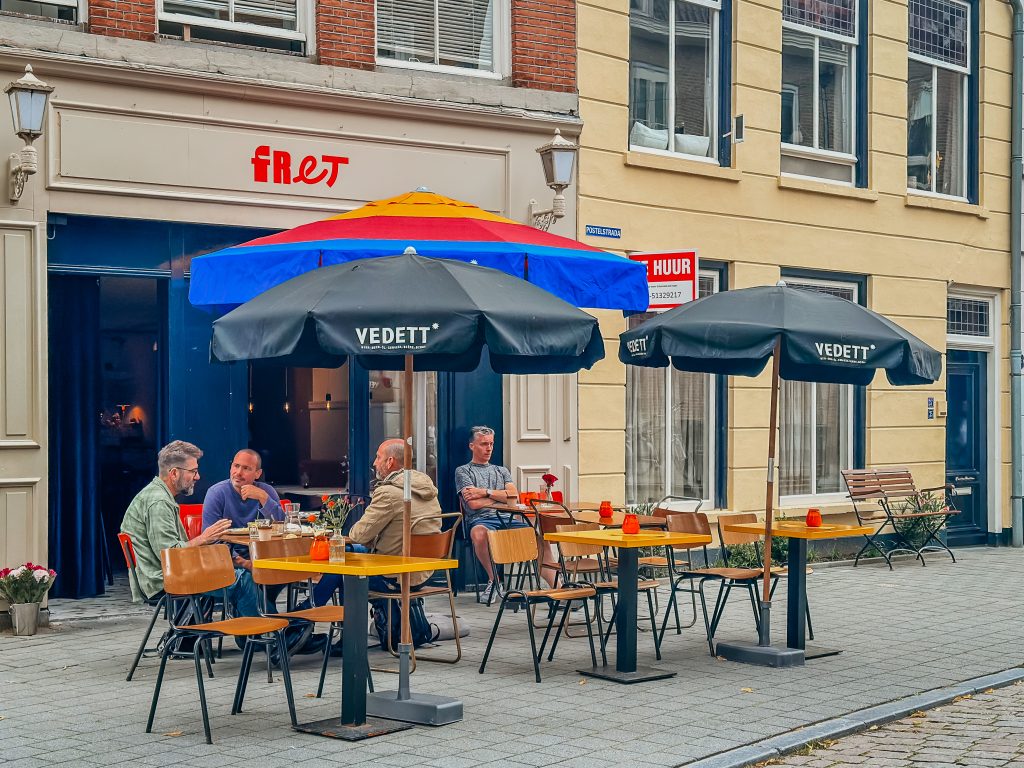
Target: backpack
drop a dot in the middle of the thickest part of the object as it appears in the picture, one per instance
(422, 632)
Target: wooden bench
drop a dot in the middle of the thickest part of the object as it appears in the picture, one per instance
(887, 496)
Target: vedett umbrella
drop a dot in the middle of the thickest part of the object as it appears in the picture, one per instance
(411, 312)
(435, 226)
(808, 336)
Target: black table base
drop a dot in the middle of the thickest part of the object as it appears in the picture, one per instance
(817, 652)
(333, 728)
(638, 675)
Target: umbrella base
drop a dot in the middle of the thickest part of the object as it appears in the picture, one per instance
(419, 708)
(639, 675)
(333, 728)
(761, 655)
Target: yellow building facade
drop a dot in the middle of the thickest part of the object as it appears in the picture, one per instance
(874, 163)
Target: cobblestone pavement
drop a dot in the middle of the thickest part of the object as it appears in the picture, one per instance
(63, 697)
(983, 731)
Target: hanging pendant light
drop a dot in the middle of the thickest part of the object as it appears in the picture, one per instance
(287, 405)
(250, 388)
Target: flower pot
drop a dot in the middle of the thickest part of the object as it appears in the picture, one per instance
(25, 618)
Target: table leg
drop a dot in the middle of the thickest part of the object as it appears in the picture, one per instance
(796, 614)
(626, 669)
(353, 724)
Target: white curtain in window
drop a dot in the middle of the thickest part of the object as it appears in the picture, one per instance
(795, 451)
(645, 434)
(690, 425)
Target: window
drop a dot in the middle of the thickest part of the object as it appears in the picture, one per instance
(670, 434)
(452, 35)
(819, 58)
(969, 317)
(938, 84)
(272, 24)
(55, 10)
(816, 422)
(676, 51)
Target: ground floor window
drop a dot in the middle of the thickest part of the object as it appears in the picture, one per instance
(670, 433)
(816, 422)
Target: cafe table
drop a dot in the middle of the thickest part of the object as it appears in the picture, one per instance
(799, 533)
(626, 669)
(354, 725)
(594, 516)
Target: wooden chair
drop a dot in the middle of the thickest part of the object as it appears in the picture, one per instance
(886, 496)
(547, 516)
(189, 573)
(678, 558)
(727, 578)
(159, 602)
(334, 615)
(732, 539)
(516, 549)
(439, 546)
(570, 553)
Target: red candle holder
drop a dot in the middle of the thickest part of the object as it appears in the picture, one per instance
(606, 509)
(813, 518)
(320, 549)
(630, 523)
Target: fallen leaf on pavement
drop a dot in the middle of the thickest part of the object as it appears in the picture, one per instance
(583, 682)
(746, 690)
(963, 698)
(919, 713)
(310, 695)
(872, 727)
(175, 733)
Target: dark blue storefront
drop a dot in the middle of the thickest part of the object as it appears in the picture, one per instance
(119, 314)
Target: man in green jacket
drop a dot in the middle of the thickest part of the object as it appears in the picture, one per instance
(153, 522)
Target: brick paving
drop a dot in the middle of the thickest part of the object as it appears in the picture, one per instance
(983, 731)
(63, 698)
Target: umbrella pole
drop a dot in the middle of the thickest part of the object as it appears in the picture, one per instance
(764, 638)
(405, 646)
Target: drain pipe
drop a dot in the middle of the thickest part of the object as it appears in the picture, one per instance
(1016, 356)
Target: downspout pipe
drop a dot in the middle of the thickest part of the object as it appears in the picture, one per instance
(1016, 355)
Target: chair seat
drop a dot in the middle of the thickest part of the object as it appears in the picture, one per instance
(735, 574)
(641, 586)
(325, 614)
(571, 593)
(239, 627)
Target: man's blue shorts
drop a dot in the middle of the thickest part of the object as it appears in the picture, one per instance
(498, 523)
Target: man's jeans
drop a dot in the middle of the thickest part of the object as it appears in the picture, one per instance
(241, 595)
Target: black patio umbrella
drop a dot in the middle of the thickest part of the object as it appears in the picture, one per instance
(410, 312)
(808, 335)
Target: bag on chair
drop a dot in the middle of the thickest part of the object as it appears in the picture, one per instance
(422, 632)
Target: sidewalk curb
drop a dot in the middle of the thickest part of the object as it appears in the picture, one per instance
(785, 743)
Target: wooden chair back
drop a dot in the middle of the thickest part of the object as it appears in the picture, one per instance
(572, 549)
(549, 515)
(870, 490)
(194, 570)
(512, 545)
(265, 577)
(437, 544)
(730, 538)
(688, 522)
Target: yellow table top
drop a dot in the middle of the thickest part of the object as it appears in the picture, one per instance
(614, 537)
(358, 564)
(795, 529)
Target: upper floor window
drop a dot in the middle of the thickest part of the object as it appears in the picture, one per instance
(56, 10)
(938, 98)
(819, 60)
(447, 35)
(274, 24)
(678, 94)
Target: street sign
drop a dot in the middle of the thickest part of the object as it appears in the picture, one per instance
(671, 278)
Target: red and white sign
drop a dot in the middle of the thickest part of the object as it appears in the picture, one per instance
(671, 278)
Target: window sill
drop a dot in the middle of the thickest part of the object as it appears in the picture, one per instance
(826, 188)
(681, 165)
(942, 204)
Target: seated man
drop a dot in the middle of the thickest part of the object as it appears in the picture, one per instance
(479, 484)
(241, 499)
(153, 522)
(380, 527)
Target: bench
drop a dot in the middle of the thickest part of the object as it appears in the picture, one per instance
(888, 495)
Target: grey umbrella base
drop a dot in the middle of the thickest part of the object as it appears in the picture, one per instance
(419, 708)
(761, 655)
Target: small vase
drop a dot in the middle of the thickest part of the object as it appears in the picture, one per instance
(631, 524)
(25, 618)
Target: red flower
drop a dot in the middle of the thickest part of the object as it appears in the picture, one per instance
(324, 498)
(549, 479)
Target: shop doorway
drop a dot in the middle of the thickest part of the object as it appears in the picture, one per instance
(967, 444)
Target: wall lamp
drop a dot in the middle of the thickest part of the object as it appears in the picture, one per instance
(558, 157)
(28, 108)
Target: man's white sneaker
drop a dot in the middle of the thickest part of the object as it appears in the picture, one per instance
(491, 591)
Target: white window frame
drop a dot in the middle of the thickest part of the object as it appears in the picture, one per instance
(502, 48)
(669, 77)
(304, 22)
(81, 6)
(712, 444)
(813, 152)
(810, 499)
(965, 74)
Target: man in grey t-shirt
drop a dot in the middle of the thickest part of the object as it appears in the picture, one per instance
(479, 484)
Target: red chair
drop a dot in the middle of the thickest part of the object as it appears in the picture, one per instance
(191, 518)
(159, 602)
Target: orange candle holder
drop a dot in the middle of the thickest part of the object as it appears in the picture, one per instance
(813, 518)
(605, 509)
(320, 549)
(631, 523)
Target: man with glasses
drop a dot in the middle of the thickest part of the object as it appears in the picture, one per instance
(480, 484)
(153, 522)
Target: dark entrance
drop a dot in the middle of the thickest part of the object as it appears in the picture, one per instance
(967, 444)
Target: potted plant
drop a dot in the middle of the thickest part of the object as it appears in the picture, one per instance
(24, 588)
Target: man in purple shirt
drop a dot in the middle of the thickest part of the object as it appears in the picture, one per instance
(241, 499)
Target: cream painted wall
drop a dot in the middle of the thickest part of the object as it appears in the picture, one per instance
(749, 216)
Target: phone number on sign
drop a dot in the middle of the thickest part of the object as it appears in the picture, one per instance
(666, 295)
